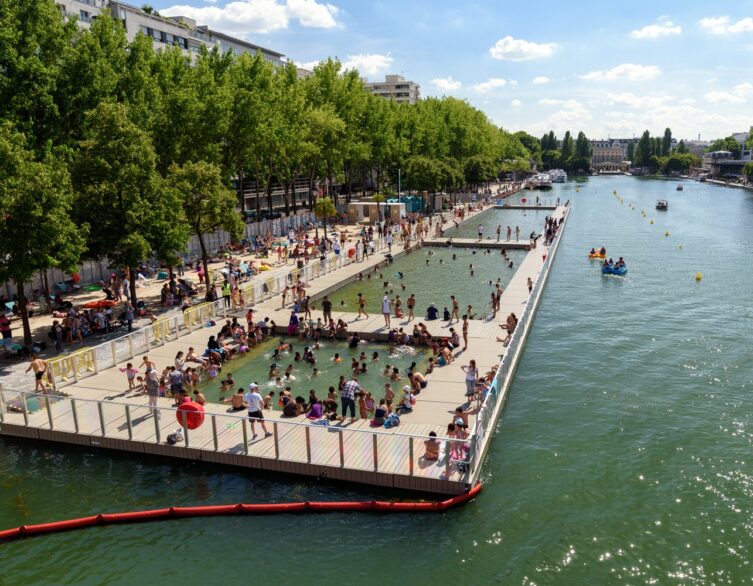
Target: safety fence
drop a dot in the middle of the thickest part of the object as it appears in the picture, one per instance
(487, 415)
(300, 442)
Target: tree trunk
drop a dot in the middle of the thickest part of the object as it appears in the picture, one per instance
(46, 288)
(205, 263)
(242, 195)
(269, 194)
(258, 203)
(286, 195)
(132, 283)
(24, 313)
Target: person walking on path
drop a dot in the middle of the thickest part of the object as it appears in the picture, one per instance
(509, 233)
(454, 314)
(327, 309)
(471, 378)
(465, 332)
(530, 285)
(348, 398)
(480, 232)
(39, 367)
(386, 310)
(362, 306)
(128, 315)
(499, 231)
(517, 233)
(255, 403)
(411, 306)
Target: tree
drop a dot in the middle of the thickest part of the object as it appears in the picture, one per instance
(666, 142)
(532, 145)
(118, 191)
(728, 143)
(36, 232)
(681, 149)
(749, 141)
(581, 160)
(748, 170)
(34, 41)
(567, 148)
(631, 152)
(324, 208)
(643, 151)
(379, 198)
(208, 204)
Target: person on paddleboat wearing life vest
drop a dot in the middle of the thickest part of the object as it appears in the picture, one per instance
(602, 250)
(592, 251)
(620, 262)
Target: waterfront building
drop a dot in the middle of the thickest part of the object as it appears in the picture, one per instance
(608, 158)
(396, 87)
(165, 31)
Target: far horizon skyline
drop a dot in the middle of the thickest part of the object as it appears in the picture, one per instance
(596, 69)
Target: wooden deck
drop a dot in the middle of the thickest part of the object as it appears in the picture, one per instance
(353, 452)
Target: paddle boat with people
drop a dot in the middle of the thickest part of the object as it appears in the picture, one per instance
(662, 205)
(618, 268)
(601, 253)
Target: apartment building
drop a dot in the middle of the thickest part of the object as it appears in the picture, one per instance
(165, 31)
(395, 87)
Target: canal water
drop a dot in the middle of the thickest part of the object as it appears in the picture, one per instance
(622, 456)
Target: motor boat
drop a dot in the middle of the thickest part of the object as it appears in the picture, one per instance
(662, 205)
(679, 187)
(557, 176)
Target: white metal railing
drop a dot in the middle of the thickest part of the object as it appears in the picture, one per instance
(374, 450)
(489, 411)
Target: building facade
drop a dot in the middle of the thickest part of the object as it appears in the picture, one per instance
(396, 87)
(165, 31)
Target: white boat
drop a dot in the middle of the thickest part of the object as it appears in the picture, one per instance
(557, 176)
(540, 181)
(679, 187)
(662, 205)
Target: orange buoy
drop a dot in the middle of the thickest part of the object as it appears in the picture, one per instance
(190, 414)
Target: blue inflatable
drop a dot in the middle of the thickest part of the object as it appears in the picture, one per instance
(619, 271)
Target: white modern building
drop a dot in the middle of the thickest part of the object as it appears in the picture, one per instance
(165, 31)
(395, 87)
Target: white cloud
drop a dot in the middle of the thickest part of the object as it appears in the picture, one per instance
(242, 17)
(629, 71)
(541, 79)
(308, 65)
(514, 82)
(717, 97)
(720, 25)
(654, 31)
(368, 63)
(743, 89)
(550, 101)
(687, 101)
(312, 14)
(643, 102)
(490, 84)
(446, 84)
(516, 103)
(511, 49)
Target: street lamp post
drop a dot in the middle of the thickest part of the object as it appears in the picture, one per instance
(399, 194)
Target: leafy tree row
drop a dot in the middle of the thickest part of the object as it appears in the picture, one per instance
(570, 155)
(109, 148)
(656, 154)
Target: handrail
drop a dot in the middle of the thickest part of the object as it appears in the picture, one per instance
(309, 425)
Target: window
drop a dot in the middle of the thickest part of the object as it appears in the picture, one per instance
(182, 43)
(84, 16)
(168, 38)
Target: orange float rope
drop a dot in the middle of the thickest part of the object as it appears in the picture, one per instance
(239, 509)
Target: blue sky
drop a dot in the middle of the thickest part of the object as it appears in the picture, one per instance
(610, 69)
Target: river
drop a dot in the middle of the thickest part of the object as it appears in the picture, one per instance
(622, 455)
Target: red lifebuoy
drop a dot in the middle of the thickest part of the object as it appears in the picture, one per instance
(191, 413)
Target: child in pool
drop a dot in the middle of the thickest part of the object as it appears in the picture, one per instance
(337, 358)
(370, 405)
(375, 357)
(363, 412)
(389, 394)
(387, 370)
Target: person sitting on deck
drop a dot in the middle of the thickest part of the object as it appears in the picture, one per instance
(380, 414)
(431, 446)
(406, 403)
(432, 313)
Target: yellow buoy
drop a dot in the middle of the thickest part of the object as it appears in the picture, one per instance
(698, 276)
(679, 247)
(666, 232)
(614, 192)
